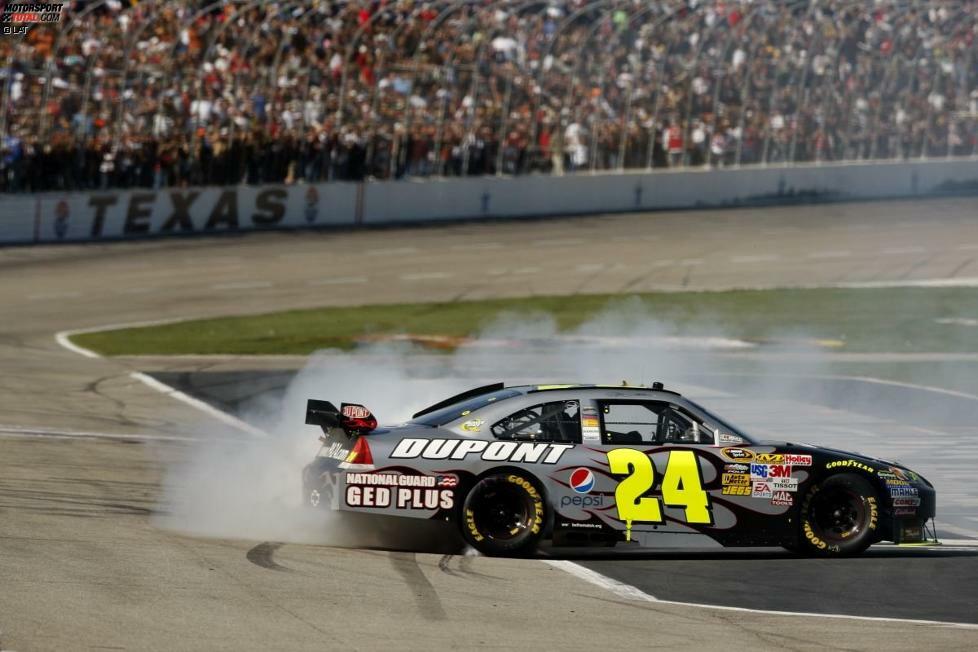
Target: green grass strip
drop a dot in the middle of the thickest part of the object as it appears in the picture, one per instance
(865, 320)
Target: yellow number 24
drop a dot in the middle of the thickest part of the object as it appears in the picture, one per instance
(681, 487)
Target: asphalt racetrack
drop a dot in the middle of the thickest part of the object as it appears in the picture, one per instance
(84, 445)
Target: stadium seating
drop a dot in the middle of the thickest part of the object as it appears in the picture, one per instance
(179, 92)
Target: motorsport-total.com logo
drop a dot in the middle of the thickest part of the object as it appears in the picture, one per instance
(16, 18)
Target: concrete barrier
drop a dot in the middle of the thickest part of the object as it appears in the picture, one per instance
(486, 197)
(53, 217)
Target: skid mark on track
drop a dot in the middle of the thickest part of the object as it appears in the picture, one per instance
(263, 555)
(428, 602)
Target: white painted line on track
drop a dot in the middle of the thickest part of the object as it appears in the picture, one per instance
(242, 285)
(746, 260)
(588, 268)
(691, 261)
(826, 255)
(338, 280)
(558, 242)
(426, 276)
(476, 246)
(62, 338)
(22, 432)
(392, 251)
(628, 592)
(220, 415)
(969, 282)
(51, 296)
(135, 290)
(625, 591)
(968, 247)
(898, 251)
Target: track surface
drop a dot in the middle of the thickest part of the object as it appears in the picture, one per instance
(889, 582)
(84, 566)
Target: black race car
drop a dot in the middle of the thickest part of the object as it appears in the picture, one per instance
(608, 466)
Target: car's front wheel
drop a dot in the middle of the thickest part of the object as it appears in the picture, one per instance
(838, 516)
(504, 514)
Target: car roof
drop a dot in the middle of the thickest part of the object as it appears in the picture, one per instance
(577, 388)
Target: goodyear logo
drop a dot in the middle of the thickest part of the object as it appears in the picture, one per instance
(847, 464)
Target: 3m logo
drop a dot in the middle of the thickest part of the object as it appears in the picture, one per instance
(779, 471)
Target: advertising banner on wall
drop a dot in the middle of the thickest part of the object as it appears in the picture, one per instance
(140, 213)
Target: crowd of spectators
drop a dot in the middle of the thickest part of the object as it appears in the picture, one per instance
(191, 92)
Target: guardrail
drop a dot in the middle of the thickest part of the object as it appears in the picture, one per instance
(112, 215)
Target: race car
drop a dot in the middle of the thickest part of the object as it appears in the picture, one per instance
(589, 465)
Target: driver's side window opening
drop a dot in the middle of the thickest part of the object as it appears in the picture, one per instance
(558, 421)
(649, 422)
(630, 423)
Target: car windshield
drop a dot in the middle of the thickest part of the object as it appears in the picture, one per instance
(723, 425)
(464, 408)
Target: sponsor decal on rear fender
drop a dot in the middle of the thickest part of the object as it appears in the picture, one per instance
(383, 490)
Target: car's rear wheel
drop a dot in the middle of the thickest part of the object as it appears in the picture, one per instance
(504, 514)
(838, 516)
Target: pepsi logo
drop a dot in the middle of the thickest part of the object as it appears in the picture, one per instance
(582, 481)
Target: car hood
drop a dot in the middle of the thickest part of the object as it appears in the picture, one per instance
(859, 457)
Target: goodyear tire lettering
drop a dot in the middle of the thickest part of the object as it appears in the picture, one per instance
(527, 486)
(470, 523)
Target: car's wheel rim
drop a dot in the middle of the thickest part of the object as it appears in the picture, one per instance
(502, 512)
(839, 514)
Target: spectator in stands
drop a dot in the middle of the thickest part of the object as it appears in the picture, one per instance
(187, 92)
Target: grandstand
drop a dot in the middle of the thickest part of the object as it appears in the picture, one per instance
(178, 92)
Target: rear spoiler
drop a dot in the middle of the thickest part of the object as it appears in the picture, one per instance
(354, 419)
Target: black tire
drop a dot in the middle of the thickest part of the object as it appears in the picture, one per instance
(838, 516)
(504, 514)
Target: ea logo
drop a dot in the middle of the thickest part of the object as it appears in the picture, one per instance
(582, 481)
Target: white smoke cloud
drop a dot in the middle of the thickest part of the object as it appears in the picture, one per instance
(235, 486)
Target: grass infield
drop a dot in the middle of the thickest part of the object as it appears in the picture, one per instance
(856, 320)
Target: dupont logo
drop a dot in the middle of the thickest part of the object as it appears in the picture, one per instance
(582, 481)
(355, 412)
